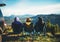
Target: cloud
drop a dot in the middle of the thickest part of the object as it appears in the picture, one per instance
(22, 8)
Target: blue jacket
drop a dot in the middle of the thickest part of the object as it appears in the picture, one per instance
(17, 27)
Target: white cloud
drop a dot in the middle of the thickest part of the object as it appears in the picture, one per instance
(23, 8)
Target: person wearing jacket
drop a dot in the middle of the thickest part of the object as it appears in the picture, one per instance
(28, 25)
(17, 26)
(39, 25)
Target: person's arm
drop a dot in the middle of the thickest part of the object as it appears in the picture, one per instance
(1, 31)
(12, 25)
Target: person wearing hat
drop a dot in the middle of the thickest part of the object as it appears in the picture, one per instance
(17, 26)
(28, 25)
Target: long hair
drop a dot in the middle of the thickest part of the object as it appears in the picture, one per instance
(40, 20)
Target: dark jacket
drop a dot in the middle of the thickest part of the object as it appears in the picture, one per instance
(28, 28)
(17, 26)
(39, 26)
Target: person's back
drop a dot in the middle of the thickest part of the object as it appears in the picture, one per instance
(17, 26)
(39, 25)
(28, 26)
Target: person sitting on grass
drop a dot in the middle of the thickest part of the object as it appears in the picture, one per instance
(17, 26)
(39, 25)
(28, 25)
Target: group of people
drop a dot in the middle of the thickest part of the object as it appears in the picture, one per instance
(28, 25)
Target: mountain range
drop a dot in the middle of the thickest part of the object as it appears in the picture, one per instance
(54, 18)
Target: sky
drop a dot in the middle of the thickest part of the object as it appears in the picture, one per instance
(33, 7)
